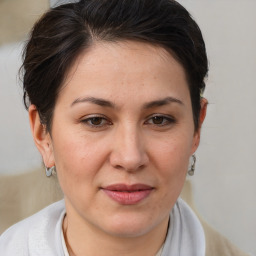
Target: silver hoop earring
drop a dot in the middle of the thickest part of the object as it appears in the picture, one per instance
(50, 171)
(191, 170)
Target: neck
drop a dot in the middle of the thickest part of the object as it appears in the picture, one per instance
(85, 239)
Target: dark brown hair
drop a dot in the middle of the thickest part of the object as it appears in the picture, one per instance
(65, 31)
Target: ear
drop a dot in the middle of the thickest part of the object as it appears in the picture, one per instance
(41, 137)
(202, 115)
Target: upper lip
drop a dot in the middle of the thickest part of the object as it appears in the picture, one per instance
(129, 188)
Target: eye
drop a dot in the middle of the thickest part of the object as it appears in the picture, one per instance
(160, 120)
(96, 121)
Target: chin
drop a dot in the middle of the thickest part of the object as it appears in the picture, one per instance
(130, 225)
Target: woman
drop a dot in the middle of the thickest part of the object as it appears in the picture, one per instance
(113, 89)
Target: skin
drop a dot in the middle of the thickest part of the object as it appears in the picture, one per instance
(125, 144)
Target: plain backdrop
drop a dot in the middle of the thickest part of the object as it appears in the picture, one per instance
(225, 180)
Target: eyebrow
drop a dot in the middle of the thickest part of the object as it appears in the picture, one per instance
(162, 102)
(106, 103)
(97, 101)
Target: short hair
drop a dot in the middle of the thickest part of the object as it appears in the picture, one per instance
(63, 32)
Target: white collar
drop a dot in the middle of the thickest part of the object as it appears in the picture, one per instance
(185, 234)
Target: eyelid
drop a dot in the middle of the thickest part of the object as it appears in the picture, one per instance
(169, 119)
(85, 120)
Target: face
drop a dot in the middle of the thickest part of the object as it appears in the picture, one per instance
(121, 137)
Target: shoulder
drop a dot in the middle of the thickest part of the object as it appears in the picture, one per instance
(36, 233)
(217, 244)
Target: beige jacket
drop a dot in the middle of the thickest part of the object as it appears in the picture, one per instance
(22, 195)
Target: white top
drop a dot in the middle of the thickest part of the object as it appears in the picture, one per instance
(64, 246)
(41, 234)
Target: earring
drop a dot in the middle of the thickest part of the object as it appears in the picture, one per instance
(50, 171)
(191, 170)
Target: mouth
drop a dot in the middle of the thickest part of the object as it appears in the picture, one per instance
(128, 194)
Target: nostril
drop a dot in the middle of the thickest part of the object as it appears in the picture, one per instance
(118, 167)
(131, 168)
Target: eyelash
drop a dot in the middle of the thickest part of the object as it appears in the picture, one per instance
(167, 121)
(88, 121)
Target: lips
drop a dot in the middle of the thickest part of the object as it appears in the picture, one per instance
(128, 194)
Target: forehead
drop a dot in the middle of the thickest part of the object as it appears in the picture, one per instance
(125, 67)
(114, 54)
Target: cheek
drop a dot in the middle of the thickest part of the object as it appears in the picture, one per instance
(77, 160)
(171, 159)
(171, 155)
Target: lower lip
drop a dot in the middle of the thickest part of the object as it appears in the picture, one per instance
(128, 198)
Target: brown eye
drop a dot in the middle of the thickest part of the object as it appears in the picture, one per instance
(158, 120)
(96, 120)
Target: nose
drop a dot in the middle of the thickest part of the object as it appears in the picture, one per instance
(128, 152)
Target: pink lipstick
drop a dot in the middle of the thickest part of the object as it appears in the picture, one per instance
(128, 194)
